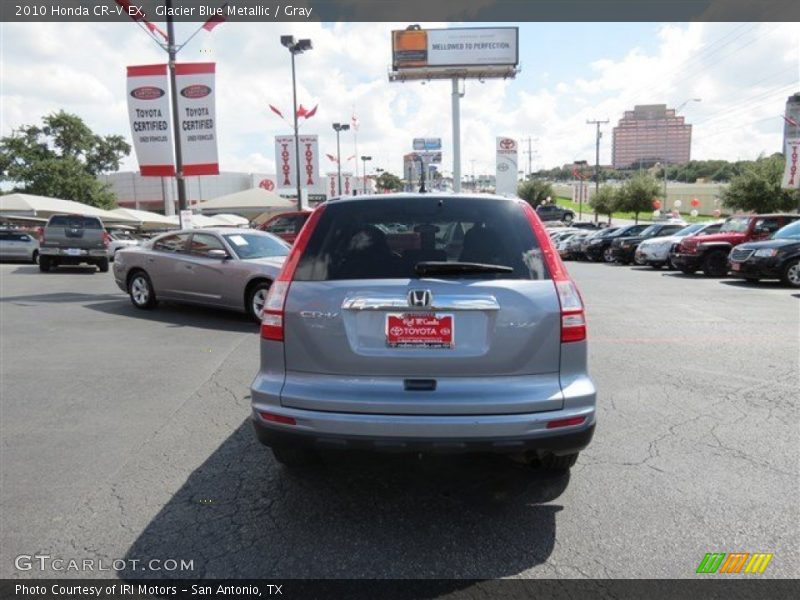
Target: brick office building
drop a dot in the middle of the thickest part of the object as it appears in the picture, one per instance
(649, 134)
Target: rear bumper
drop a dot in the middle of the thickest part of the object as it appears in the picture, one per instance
(622, 254)
(93, 255)
(557, 442)
(650, 256)
(766, 268)
(686, 260)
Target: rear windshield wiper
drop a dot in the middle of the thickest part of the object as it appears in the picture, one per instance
(457, 268)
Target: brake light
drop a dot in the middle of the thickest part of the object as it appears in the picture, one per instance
(573, 318)
(40, 232)
(106, 239)
(565, 422)
(277, 418)
(272, 316)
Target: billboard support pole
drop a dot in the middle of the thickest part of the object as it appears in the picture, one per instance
(456, 137)
(172, 51)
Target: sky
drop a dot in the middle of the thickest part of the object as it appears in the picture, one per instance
(569, 73)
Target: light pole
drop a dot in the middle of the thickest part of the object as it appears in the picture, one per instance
(294, 48)
(666, 142)
(364, 159)
(338, 127)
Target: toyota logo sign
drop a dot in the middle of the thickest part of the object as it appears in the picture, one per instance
(267, 184)
(508, 144)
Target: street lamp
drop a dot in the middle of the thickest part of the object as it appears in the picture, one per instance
(296, 47)
(666, 143)
(338, 127)
(364, 159)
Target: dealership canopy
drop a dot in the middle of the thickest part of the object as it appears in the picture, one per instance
(146, 219)
(42, 206)
(247, 202)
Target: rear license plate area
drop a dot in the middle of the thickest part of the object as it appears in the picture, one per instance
(420, 330)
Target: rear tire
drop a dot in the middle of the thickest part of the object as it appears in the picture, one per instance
(608, 256)
(657, 266)
(551, 462)
(688, 270)
(141, 292)
(35, 257)
(256, 297)
(791, 274)
(103, 265)
(44, 264)
(295, 457)
(715, 264)
(568, 218)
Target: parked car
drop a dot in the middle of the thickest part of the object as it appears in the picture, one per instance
(570, 248)
(286, 225)
(553, 212)
(655, 251)
(623, 249)
(595, 239)
(710, 252)
(585, 225)
(365, 345)
(776, 258)
(224, 267)
(599, 248)
(119, 239)
(73, 240)
(17, 244)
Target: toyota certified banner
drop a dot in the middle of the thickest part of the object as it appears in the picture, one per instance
(309, 163)
(149, 112)
(196, 121)
(791, 172)
(506, 173)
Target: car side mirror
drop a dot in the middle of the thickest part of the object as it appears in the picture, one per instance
(218, 254)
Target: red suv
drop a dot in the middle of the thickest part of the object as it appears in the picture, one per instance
(710, 252)
(286, 225)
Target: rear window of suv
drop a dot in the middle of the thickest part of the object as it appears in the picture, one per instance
(73, 222)
(386, 238)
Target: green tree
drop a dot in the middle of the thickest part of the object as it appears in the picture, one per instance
(61, 158)
(758, 188)
(605, 201)
(389, 181)
(637, 194)
(535, 191)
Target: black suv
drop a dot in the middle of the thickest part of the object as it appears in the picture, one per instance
(600, 247)
(775, 258)
(553, 212)
(623, 249)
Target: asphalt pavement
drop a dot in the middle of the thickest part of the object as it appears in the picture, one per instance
(124, 435)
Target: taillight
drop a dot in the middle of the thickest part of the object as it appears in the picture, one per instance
(40, 231)
(273, 313)
(277, 418)
(565, 422)
(573, 318)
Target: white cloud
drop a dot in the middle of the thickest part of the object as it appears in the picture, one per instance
(81, 68)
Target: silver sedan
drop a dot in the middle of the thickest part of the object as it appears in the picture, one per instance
(223, 267)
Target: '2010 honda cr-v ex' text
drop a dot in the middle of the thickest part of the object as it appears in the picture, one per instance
(424, 323)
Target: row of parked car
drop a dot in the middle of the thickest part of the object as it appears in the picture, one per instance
(753, 247)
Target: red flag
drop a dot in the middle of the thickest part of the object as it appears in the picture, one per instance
(137, 14)
(154, 29)
(276, 111)
(351, 157)
(216, 19)
(354, 121)
(790, 121)
(312, 112)
(301, 111)
(332, 157)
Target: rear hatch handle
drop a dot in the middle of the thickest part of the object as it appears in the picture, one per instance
(439, 302)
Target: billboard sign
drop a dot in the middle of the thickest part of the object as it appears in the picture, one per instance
(791, 174)
(150, 117)
(196, 118)
(427, 143)
(479, 51)
(506, 167)
(309, 162)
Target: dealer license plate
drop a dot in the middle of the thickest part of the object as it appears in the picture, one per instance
(74, 251)
(736, 266)
(418, 330)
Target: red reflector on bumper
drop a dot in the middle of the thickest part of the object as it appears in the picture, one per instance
(566, 422)
(278, 418)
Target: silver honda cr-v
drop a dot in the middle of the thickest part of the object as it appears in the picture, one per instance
(424, 323)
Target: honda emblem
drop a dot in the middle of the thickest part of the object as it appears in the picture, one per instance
(420, 298)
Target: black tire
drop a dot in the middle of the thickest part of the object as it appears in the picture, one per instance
(44, 264)
(257, 290)
(608, 256)
(791, 273)
(669, 264)
(688, 270)
(657, 266)
(295, 457)
(35, 257)
(715, 264)
(551, 462)
(140, 291)
(102, 265)
(568, 218)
